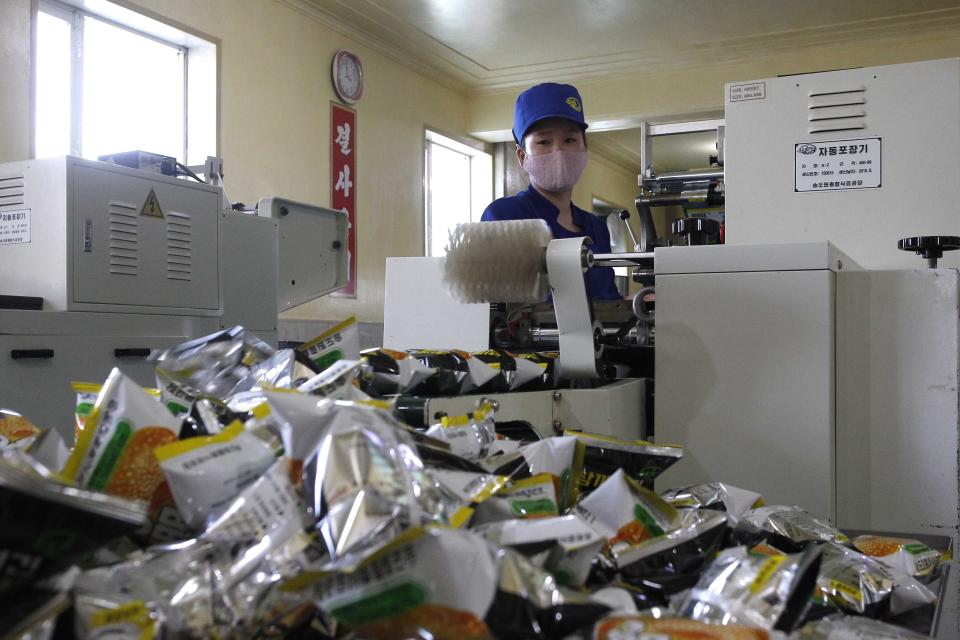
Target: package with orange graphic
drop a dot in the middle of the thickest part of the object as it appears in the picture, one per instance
(114, 451)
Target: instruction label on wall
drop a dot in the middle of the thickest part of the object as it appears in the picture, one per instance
(838, 165)
(15, 226)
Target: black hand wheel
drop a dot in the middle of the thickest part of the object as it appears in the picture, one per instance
(930, 247)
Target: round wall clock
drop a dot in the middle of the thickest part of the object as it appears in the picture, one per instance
(347, 76)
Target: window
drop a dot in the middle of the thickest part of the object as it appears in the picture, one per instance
(458, 186)
(109, 79)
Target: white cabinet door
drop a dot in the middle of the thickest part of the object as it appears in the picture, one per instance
(36, 371)
(745, 382)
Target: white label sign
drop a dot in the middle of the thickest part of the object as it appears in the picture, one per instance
(15, 226)
(837, 165)
(750, 91)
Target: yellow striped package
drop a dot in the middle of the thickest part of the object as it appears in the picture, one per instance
(206, 473)
(762, 589)
(470, 489)
(564, 545)
(469, 436)
(428, 583)
(340, 342)
(114, 452)
(626, 513)
(550, 455)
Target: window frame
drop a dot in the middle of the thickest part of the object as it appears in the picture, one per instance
(74, 12)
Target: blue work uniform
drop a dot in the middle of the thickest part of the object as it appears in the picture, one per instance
(531, 204)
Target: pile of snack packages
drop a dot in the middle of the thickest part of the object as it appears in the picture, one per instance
(251, 495)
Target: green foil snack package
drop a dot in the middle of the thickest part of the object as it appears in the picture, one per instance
(365, 483)
(853, 582)
(550, 455)
(426, 583)
(302, 420)
(563, 545)
(861, 584)
(661, 566)
(339, 381)
(793, 527)
(627, 513)
(847, 627)
(526, 498)
(206, 473)
(51, 525)
(114, 453)
(285, 369)
(339, 342)
(174, 394)
(387, 372)
(765, 588)
(531, 604)
(598, 457)
(512, 372)
(644, 627)
(223, 584)
(470, 435)
(213, 365)
(907, 555)
(713, 495)
(470, 489)
(457, 372)
(546, 362)
(195, 589)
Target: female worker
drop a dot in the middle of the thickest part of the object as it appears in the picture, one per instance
(548, 127)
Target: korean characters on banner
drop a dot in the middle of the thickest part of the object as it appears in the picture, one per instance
(343, 178)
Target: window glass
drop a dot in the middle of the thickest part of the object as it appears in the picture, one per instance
(111, 80)
(133, 93)
(459, 185)
(53, 86)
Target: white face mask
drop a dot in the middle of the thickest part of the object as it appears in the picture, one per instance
(555, 171)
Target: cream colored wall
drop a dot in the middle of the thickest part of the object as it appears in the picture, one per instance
(605, 179)
(14, 79)
(274, 121)
(691, 93)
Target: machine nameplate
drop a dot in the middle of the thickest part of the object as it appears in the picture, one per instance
(15, 226)
(838, 165)
(749, 91)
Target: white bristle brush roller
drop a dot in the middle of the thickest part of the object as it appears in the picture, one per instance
(498, 261)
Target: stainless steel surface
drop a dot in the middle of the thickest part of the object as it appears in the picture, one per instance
(686, 176)
(635, 256)
(671, 128)
(538, 334)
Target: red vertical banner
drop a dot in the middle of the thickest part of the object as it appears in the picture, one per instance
(343, 182)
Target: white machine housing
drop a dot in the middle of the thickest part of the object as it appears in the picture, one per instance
(908, 115)
(129, 261)
(787, 370)
(746, 367)
(93, 242)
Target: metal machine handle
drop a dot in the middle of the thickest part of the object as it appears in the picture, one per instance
(648, 232)
(131, 352)
(31, 354)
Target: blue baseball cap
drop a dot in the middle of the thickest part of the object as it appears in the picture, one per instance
(547, 100)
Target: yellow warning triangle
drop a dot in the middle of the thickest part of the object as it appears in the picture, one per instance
(152, 206)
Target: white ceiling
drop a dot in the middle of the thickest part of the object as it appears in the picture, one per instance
(482, 45)
(492, 45)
